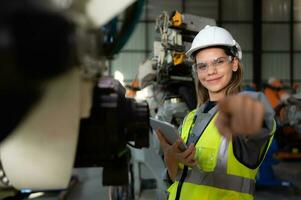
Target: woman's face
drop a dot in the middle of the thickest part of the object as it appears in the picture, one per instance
(214, 70)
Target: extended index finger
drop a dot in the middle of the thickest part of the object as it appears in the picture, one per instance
(229, 104)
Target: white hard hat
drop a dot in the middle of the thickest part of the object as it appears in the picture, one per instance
(214, 36)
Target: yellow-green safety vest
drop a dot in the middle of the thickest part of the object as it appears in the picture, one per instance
(218, 174)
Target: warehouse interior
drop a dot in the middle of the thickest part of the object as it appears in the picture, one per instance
(81, 79)
(267, 30)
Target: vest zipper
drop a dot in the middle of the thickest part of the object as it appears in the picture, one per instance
(179, 188)
(185, 170)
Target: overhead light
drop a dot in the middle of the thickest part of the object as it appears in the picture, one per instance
(119, 76)
(101, 12)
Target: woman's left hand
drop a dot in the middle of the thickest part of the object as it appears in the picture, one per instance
(239, 114)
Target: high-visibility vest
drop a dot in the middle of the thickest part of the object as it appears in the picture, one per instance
(218, 174)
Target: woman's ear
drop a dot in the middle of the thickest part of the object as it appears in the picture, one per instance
(235, 64)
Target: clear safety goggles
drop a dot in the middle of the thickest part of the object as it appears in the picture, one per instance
(216, 63)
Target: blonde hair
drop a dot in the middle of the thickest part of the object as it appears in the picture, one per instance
(233, 87)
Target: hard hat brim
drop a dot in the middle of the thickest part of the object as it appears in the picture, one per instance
(191, 51)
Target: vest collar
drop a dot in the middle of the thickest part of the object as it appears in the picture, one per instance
(201, 122)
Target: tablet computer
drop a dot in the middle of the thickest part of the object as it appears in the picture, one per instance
(169, 131)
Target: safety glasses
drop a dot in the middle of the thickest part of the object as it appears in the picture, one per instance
(202, 67)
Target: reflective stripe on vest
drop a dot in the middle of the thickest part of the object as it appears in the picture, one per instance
(219, 180)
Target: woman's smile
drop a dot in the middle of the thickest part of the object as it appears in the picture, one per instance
(214, 80)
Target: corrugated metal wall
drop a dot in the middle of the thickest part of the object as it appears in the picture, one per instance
(236, 16)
